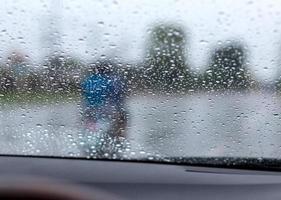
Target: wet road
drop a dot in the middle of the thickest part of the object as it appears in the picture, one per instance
(195, 125)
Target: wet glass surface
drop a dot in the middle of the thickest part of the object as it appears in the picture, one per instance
(142, 79)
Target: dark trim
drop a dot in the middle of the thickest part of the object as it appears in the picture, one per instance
(257, 164)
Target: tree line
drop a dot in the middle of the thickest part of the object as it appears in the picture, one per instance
(164, 69)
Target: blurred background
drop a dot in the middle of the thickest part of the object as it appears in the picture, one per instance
(202, 77)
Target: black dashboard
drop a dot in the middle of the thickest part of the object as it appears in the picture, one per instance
(137, 180)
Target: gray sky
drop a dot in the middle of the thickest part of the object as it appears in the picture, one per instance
(89, 28)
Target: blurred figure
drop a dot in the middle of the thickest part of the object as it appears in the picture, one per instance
(104, 99)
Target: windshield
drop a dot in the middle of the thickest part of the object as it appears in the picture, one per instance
(140, 79)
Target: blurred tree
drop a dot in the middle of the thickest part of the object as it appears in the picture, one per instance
(32, 82)
(133, 73)
(62, 74)
(165, 66)
(278, 84)
(227, 69)
(7, 81)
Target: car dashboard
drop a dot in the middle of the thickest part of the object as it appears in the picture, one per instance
(101, 179)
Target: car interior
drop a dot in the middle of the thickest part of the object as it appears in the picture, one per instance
(51, 178)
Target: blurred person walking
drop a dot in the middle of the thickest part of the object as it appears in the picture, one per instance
(104, 95)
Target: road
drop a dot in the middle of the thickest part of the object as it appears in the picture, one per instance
(195, 125)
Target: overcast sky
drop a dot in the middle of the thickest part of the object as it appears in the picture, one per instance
(89, 29)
